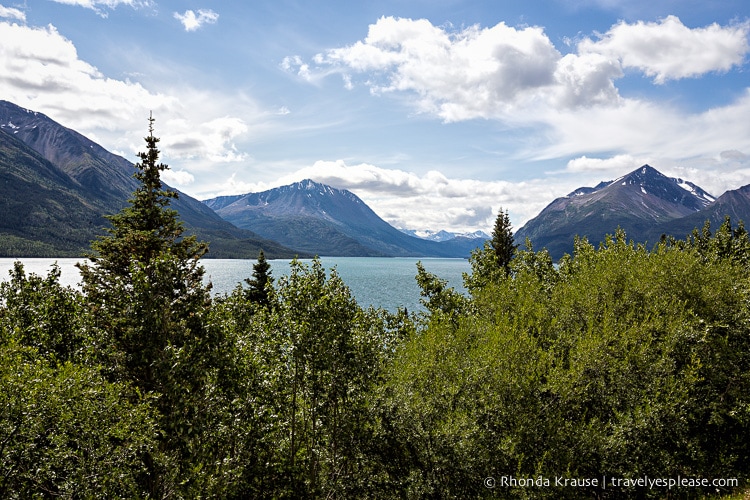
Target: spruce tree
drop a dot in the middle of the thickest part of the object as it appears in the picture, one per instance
(144, 285)
(502, 240)
(256, 291)
(149, 307)
(148, 227)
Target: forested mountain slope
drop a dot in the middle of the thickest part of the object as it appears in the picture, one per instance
(102, 181)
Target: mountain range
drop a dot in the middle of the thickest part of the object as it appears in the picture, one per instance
(443, 235)
(645, 203)
(318, 218)
(56, 186)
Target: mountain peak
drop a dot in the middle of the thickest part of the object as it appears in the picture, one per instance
(636, 201)
(316, 190)
(323, 220)
(309, 184)
(646, 180)
(651, 181)
(74, 182)
(643, 174)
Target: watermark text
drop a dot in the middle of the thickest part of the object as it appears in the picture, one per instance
(604, 482)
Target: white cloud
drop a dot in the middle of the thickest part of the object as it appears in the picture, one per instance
(96, 5)
(192, 21)
(619, 163)
(517, 75)
(473, 73)
(177, 177)
(645, 129)
(727, 170)
(212, 139)
(670, 50)
(430, 201)
(585, 80)
(40, 70)
(499, 72)
(11, 13)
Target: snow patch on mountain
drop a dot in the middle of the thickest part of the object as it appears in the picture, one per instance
(442, 235)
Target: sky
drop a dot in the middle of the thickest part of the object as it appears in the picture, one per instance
(437, 113)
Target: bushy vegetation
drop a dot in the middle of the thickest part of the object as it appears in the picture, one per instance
(619, 362)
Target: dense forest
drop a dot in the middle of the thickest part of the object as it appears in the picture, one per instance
(543, 381)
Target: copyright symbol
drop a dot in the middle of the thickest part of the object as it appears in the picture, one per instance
(489, 482)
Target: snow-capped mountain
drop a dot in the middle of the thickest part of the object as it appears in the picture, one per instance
(442, 235)
(323, 220)
(637, 202)
(56, 185)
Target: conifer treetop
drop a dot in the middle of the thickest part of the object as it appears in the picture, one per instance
(148, 227)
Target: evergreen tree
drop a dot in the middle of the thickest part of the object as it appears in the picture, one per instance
(502, 240)
(148, 305)
(145, 278)
(257, 291)
(148, 227)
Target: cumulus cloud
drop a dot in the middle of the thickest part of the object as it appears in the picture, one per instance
(177, 177)
(213, 139)
(618, 163)
(428, 201)
(40, 69)
(518, 77)
(473, 73)
(669, 50)
(97, 5)
(193, 21)
(11, 13)
(509, 73)
(584, 80)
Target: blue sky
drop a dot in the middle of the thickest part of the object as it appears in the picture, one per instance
(436, 113)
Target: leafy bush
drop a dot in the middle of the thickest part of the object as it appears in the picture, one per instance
(622, 362)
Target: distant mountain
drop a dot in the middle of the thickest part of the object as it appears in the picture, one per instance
(326, 221)
(58, 185)
(638, 203)
(443, 235)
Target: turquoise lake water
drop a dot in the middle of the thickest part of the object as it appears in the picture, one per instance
(381, 282)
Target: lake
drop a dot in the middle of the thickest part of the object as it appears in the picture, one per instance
(381, 282)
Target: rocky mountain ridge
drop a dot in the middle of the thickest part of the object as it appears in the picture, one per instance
(443, 235)
(645, 203)
(328, 221)
(59, 185)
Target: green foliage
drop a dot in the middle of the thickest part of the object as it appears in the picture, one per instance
(330, 356)
(622, 360)
(67, 432)
(147, 304)
(147, 228)
(618, 361)
(308, 367)
(440, 300)
(727, 243)
(38, 312)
